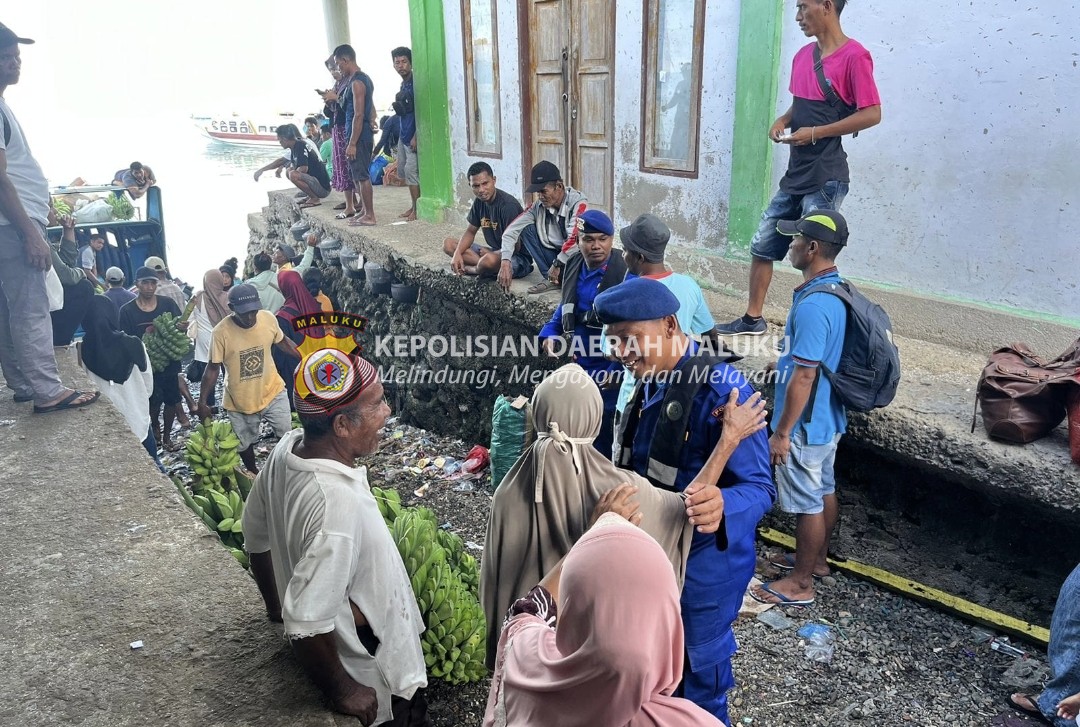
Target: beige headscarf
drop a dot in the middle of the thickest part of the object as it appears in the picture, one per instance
(544, 503)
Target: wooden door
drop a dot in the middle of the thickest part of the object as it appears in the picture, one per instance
(570, 53)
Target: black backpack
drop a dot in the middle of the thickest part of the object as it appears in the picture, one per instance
(869, 369)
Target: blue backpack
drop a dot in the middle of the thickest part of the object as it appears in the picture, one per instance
(869, 369)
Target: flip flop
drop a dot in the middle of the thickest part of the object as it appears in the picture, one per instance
(357, 223)
(343, 216)
(23, 398)
(783, 600)
(543, 287)
(66, 402)
(1029, 711)
(788, 563)
(339, 206)
(305, 205)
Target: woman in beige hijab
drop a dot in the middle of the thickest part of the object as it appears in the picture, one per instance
(546, 499)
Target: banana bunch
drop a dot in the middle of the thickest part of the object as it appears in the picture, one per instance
(389, 502)
(165, 342)
(296, 421)
(454, 640)
(466, 566)
(212, 455)
(221, 513)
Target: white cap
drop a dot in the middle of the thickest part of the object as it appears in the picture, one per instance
(114, 275)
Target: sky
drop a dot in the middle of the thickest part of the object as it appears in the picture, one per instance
(145, 58)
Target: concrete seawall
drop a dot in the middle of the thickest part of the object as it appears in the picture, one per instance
(926, 429)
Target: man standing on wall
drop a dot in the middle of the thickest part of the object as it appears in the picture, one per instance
(833, 90)
(405, 107)
(358, 106)
(26, 353)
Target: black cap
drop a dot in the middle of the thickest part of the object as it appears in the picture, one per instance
(648, 236)
(8, 37)
(145, 273)
(543, 174)
(823, 225)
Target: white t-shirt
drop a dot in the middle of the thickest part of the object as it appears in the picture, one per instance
(23, 171)
(204, 331)
(330, 545)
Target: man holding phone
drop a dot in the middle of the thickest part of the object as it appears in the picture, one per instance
(833, 93)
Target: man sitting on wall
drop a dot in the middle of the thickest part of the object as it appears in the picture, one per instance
(547, 230)
(492, 211)
(324, 560)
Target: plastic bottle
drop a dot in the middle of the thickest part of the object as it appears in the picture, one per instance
(820, 642)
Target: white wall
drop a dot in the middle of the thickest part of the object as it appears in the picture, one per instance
(695, 209)
(507, 169)
(969, 187)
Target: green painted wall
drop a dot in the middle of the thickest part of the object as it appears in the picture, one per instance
(756, 82)
(432, 108)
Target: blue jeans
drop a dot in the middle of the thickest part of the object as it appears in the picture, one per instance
(768, 244)
(543, 256)
(1064, 651)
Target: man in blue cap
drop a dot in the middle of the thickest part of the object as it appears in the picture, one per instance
(591, 272)
(672, 432)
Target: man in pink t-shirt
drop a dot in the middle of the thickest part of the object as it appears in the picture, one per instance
(817, 173)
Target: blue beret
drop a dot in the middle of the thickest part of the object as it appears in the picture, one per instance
(595, 221)
(637, 299)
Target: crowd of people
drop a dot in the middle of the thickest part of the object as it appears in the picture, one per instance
(336, 151)
(654, 459)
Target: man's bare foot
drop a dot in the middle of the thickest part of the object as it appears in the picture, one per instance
(409, 214)
(470, 270)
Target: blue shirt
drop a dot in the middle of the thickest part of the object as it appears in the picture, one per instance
(408, 121)
(587, 343)
(814, 334)
(694, 318)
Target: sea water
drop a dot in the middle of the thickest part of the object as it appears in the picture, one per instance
(207, 188)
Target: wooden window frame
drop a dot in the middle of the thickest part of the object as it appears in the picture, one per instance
(650, 50)
(470, 82)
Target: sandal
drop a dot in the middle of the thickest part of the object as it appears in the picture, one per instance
(781, 599)
(786, 562)
(343, 215)
(542, 287)
(339, 206)
(306, 205)
(1026, 703)
(23, 398)
(71, 401)
(358, 222)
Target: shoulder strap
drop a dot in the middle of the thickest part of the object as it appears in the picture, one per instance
(827, 90)
(841, 291)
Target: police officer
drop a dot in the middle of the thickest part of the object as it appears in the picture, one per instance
(593, 271)
(672, 433)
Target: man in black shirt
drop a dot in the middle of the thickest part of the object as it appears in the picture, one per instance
(136, 317)
(492, 210)
(308, 172)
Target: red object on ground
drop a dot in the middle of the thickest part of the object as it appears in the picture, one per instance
(477, 459)
(1072, 405)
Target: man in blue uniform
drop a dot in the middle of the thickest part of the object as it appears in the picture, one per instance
(668, 433)
(592, 272)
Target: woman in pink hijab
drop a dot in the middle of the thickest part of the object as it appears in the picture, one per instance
(615, 654)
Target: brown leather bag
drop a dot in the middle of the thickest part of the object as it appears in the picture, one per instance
(1023, 395)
